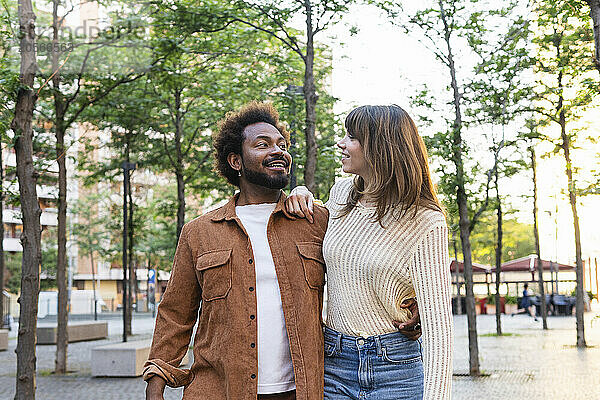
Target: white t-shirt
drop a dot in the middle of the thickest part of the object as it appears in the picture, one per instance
(275, 368)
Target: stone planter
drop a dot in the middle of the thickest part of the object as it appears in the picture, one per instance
(510, 308)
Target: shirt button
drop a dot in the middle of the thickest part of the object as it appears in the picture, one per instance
(252, 345)
(361, 342)
(250, 261)
(251, 289)
(252, 316)
(253, 376)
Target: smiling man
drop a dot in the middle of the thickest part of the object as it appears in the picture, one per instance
(252, 275)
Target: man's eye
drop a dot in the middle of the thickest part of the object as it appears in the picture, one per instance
(283, 146)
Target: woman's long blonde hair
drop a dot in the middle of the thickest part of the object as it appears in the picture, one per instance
(397, 160)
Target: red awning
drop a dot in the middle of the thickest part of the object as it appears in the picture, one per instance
(529, 263)
(477, 268)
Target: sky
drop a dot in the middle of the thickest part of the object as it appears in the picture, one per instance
(382, 65)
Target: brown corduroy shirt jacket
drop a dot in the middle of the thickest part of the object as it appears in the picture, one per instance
(213, 271)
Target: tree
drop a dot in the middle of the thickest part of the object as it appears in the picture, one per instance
(127, 125)
(517, 241)
(9, 84)
(536, 235)
(90, 231)
(563, 40)
(274, 17)
(495, 98)
(595, 15)
(441, 26)
(27, 176)
(69, 92)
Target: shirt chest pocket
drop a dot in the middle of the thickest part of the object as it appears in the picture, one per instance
(215, 272)
(313, 264)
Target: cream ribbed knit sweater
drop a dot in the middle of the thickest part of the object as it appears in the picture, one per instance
(372, 270)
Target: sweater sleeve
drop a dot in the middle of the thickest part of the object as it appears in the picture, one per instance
(430, 274)
(175, 320)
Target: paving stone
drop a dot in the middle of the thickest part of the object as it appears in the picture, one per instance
(531, 364)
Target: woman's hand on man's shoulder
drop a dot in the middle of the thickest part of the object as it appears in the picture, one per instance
(300, 203)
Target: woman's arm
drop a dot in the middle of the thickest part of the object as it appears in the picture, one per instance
(431, 278)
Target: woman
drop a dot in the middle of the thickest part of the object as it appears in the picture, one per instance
(386, 243)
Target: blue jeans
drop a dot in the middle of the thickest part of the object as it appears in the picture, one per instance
(384, 367)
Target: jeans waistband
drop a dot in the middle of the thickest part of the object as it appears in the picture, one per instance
(378, 342)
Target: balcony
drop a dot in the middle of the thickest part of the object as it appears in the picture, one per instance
(49, 217)
(12, 244)
(43, 191)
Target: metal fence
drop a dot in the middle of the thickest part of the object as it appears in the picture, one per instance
(48, 307)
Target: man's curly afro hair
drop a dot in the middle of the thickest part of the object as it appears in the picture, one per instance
(230, 135)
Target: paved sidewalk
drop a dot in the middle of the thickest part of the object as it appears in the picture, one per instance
(530, 365)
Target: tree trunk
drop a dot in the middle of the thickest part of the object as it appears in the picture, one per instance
(125, 283)
(94, 287)
(130, 249)
(179, 168)
(60, 363)
(461, 199)
(180, 201)
(61, 260)
(1, 236)
(579, 306)
(595, 14)
(566, 146)
(498, 254)
(457, 273)
(536, 234)
(30, 208)
(310, 96)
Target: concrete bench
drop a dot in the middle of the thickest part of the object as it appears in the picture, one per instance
(123, 359)
(3, 339)
(77, 330)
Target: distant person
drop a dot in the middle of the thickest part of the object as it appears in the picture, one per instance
(252, 275)
(386, 242)
(526, 303)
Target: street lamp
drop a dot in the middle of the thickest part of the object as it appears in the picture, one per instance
(127, 166)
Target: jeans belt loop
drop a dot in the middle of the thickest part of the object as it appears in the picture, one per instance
(338, 343)
(378, 345)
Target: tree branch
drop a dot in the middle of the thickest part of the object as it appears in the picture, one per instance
(489, 174)
(290, 42)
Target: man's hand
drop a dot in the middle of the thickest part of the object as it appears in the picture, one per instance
(412, 327)
(155, 388)
(300, 203)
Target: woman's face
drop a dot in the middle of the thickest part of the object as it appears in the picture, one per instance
(353, 158)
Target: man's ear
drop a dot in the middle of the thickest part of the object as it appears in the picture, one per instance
(235, 161)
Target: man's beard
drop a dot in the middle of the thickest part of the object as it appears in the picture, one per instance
(265, 180)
